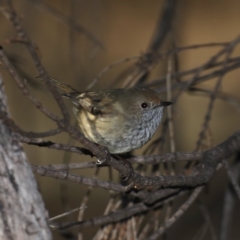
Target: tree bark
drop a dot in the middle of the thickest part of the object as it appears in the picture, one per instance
(22, 212)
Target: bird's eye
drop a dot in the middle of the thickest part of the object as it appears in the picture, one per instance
(144, 105)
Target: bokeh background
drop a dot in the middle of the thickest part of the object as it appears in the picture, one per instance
(122, 29)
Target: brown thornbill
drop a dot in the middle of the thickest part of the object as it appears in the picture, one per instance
(119, 119)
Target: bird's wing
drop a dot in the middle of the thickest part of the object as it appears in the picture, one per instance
(97, 103)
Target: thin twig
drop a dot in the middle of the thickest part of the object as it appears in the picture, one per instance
(232, 176)
(68, 21)
(207, 219)
(28, 135)
(220, 95)
(117, 216)
(108, 68)
(229, 203)
(213, 97)
(67, 213)
(22, 85)
(177, 214)
(12, 16)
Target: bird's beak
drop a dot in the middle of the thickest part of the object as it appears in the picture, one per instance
(165, 104)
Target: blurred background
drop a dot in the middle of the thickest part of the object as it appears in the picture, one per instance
(77, 39)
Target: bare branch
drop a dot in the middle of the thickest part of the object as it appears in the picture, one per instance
(23, 215)
(233, 176)
(79, 179)
(202, 173)
(117, 215)
(176, 215)
(68, 21)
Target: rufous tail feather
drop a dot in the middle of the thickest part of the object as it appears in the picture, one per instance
(66, 88)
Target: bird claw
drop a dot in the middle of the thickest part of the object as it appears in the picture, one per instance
(99, 162)
(108, 156)
(129, 175)
(126, 178)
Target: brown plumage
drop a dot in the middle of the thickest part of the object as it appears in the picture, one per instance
(119, 119)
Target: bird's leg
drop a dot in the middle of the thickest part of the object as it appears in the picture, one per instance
(105, 161)
(126, 162)
(108, 156)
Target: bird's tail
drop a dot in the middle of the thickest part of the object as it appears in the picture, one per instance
(64, 87)
(68, 91)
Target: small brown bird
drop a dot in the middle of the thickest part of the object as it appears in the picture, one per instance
(119, 119)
